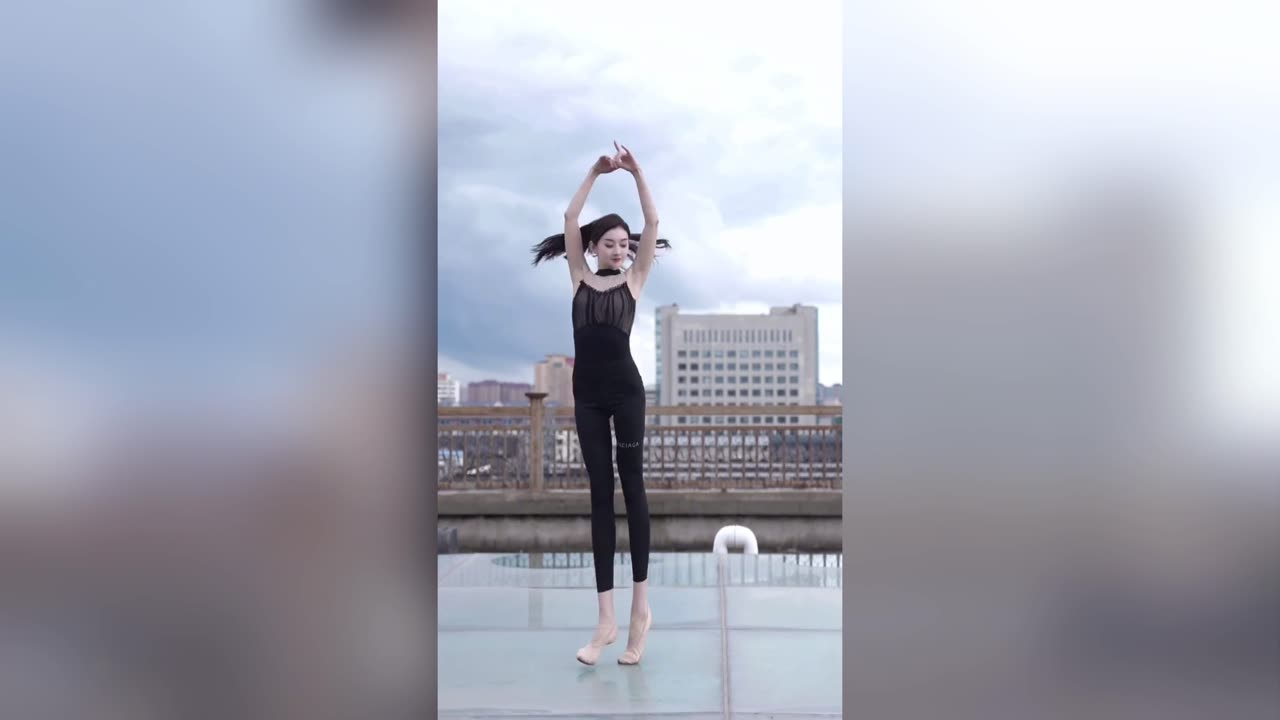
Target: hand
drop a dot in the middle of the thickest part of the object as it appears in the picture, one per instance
(604, 165)
(624, 159)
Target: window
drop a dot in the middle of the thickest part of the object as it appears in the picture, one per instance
(795, 353)
(768, 353)
(769, 420)
(756, 419)
(682, 419)
(719, 393)
(795, 392)
(719, 353)
(755, 379)
(795, 378)
(720, 366)
(755, 353)
(733, 366)
(768, 366)
(694, 379)
(706, 353)
(680, 353)
(732, 392)
(732, 379)
(795, 420)
(768, 379)
(706, 420)
(755, 392)
(682, 393)
(719, 379)
(768, 392)
(795, 366)
(682, 366)
(742, 379)
(693, 393)
(755, 366)
(680, 379)
(733, 353)
(782, 379)
(733, 420)
(694, 366)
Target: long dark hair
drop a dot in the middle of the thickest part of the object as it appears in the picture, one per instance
(591, 232)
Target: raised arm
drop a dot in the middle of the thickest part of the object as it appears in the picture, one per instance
(649, 235)
(573, 250)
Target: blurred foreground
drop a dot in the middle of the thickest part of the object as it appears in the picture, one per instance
(210, 497)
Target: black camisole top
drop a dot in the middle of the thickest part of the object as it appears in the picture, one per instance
(603, 368)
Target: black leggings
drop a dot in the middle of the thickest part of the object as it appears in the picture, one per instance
(593, 435)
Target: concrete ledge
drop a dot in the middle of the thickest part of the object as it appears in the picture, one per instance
(662, 503)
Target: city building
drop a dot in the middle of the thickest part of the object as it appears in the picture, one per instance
(830, 394)
(723, 359)
(554, 376)
(448, 390)
(488, 393)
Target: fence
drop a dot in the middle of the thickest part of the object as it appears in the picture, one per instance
(572, 570)
(494, 448)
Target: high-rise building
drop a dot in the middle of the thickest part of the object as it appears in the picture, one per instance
(651, 400)
(493, 392)
(554, 376)
(657, 348)
(722, 359)
(448, 390)
(830, 395)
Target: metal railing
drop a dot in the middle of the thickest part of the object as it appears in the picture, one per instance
(494, 448)
(577, 569)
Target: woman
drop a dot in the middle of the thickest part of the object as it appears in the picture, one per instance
(607, 384)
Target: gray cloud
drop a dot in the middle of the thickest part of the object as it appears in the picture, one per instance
(515, 146)
(167, 202)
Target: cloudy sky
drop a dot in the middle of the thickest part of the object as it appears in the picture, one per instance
(195, 197)
(999, 104)
(189, 187)
(735, 118)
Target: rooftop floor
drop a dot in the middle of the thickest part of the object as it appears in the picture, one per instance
(732, 636)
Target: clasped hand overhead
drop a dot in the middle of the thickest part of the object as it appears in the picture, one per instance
(621, 159)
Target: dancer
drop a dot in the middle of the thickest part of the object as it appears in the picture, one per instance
(607, 384)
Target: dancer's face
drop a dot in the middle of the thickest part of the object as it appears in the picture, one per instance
(612, 248)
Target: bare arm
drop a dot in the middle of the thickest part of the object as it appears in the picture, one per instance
(649, 235)
(573, 249)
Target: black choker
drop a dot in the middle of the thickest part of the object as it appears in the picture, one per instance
(608, 271)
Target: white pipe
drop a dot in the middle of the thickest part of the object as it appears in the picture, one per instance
(735, 536)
